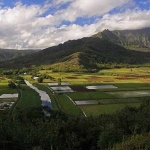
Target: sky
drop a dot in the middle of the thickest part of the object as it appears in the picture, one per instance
(38, 24)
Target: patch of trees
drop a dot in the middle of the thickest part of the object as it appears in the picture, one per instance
(40, 79)
(11, 85)
(30, 129)
(18, 79)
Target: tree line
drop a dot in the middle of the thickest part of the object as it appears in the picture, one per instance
(30, 129)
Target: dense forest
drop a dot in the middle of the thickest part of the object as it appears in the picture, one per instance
(31, 130)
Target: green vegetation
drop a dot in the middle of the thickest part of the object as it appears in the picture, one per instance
(29, 99)
(132, 39)
(7, 100)
(4, 89)
(137, 142)
(96, 110)
(118, 120)
(83, 55)
(126, 129)
(40, 80)
(68, 106)
(89, 95)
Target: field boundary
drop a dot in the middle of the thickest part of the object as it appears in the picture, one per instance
(75, 104)
(14, 105)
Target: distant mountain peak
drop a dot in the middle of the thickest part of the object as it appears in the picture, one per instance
(131, 39)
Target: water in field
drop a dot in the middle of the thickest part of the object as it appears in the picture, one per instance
(46, 101)
(9, 95)
(88, 102)
(101, 87)
(55, 83)
(65, 83)
(126, 94)
(62, 89)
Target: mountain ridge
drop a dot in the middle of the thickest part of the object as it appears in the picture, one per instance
(7, 54)
(103, 50)
(131, 39)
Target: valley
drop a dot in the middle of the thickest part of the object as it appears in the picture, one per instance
(75, 75)
(50, 96)
(84, 94)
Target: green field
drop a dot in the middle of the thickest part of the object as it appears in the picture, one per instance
(67, 106)
(121, 75)
(8, 100)
(89, 95)
(96, 110)
(128, 80)
(4, 89)
(29, 99)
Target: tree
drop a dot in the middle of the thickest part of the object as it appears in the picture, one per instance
(11, 85)
(40, 79)
(59, 81)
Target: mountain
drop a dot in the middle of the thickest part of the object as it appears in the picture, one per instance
(6, 54)
(85, 54)
(131, 39)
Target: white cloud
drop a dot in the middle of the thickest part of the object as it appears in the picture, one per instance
(131, 19)
(88, 8)
(58, 2)
(27, 26)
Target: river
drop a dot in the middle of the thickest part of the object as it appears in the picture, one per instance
(46, 101)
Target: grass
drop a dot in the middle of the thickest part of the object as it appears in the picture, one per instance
(126, 79)
(4, 89)
(89, 95)
(96, 110)
(29, 98)
(68, 106)
(128, 94)
(8, 100)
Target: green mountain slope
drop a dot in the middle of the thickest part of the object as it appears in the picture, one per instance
(131, 39)
(6, 54)
(83, 54)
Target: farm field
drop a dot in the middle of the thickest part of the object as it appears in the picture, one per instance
(98, 101)
(121, 75)
(96, 110)
(6, 102)
(67, 106)
(29, 99)
(93, 93)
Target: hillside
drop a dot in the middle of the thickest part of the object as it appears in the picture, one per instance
(6, 54)
(131, 39)
(83, 54)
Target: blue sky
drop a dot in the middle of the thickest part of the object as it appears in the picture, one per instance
(40, 24)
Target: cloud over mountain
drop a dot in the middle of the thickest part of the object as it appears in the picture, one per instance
(53, 22)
